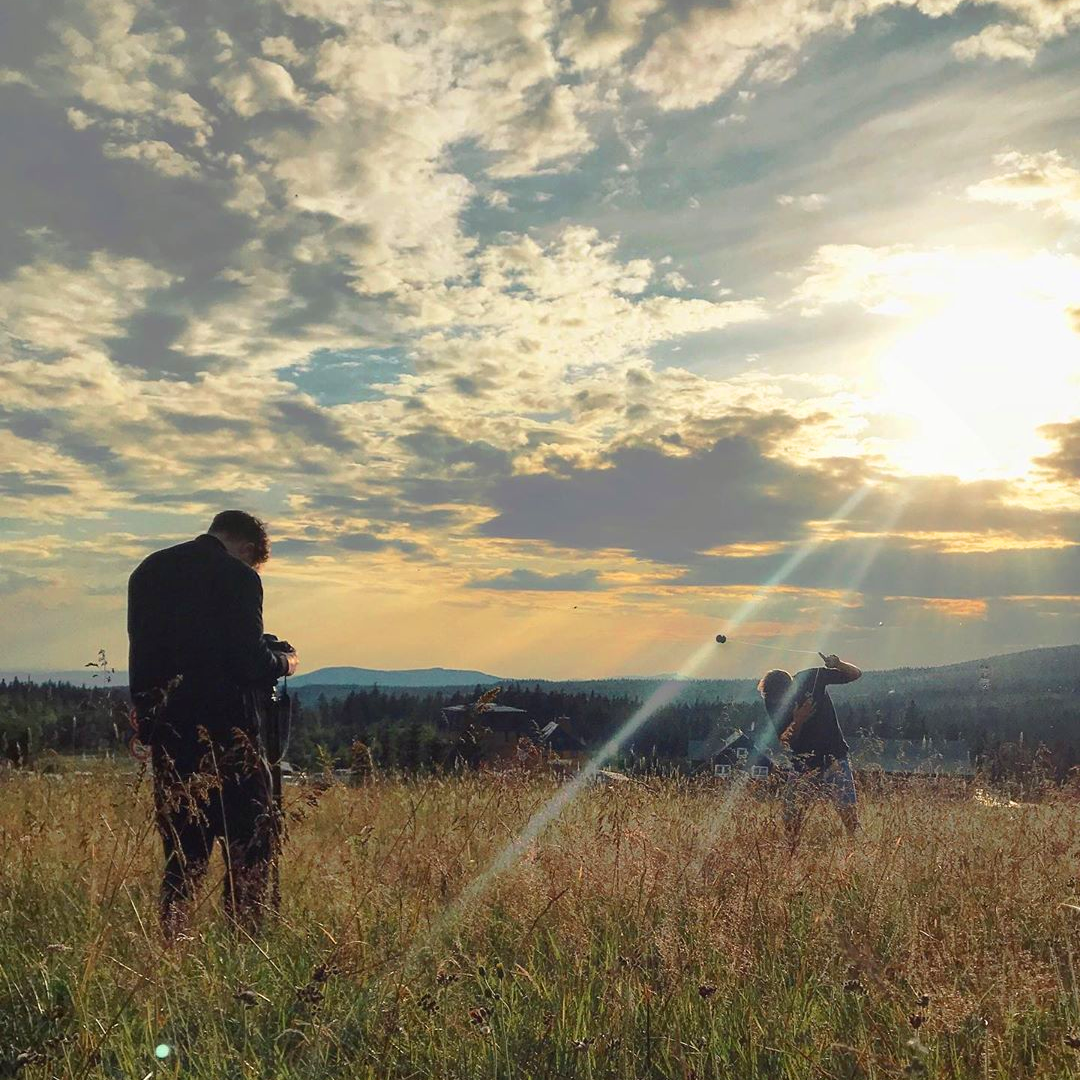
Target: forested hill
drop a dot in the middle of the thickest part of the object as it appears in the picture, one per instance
(1034, 670)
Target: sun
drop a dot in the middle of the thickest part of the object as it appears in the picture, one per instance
(975, 379)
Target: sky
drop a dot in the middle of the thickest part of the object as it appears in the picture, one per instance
(550, 338)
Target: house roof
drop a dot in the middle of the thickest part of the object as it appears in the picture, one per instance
(925, 756)
(703, 749)
(456, 709)
(560, 740)
(716, 744)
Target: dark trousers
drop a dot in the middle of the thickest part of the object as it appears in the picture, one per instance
(226, 801)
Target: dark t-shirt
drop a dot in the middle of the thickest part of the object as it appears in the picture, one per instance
(820, 739)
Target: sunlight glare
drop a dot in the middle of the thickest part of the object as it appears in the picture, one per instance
(977, 379)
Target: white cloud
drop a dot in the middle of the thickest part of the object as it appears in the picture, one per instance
(1045, 181)
(157, 155)
(675, 280)
(281, 48)
(713, 49)
(56, 306)
(106, 62)
(9, 77)
(811, 203)
(599, 36)
(257, 86)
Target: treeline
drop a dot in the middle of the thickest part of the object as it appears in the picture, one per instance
(61, 717)
(400, 729)
(1009, 733)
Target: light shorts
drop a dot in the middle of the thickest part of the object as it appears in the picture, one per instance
(834, 783)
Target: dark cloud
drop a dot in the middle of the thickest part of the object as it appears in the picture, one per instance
(313, 425)
(52, 428)
(365, 541)
(531, 581)
(439, 449)
(24, 485)
(293, 546)
(664, 507)
(381, 508)
(209, 497)
(147, 343)
(1064, 462)
(55, 177)
(894, 566)
(193, 424)
(13, 581)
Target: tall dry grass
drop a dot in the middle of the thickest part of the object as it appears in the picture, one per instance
(652, 931)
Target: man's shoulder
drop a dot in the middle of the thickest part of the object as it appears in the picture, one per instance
(181, 558)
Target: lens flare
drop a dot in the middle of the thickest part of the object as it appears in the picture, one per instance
(662, 696)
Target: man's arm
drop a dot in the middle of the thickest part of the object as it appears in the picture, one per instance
(250, 660)
(839, 671)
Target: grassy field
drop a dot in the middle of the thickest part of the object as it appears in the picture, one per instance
(651, 931)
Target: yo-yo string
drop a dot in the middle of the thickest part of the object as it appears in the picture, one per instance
(770, 648)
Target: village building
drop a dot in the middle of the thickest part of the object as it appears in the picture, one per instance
(505, 734)
(728, 755)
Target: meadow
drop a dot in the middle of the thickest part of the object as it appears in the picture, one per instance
(656, 929)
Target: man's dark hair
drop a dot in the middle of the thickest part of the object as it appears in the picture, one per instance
(773, 686)
(240, 525)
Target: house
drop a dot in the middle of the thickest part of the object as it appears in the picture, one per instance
(910, 757)
(727, 755)
(493, 733)
(502, 733)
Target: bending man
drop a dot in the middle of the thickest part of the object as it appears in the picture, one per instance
(201, 671)
(806, 724)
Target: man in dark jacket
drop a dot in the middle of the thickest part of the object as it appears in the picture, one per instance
(201, 671)
(807, 726)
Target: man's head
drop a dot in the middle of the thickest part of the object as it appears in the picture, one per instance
(773, 688)
(243, 535)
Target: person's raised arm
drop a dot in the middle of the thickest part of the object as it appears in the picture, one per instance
(249, 659)
(840, 670)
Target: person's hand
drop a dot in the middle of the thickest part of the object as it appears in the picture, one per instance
(832, 661)
(290, 662)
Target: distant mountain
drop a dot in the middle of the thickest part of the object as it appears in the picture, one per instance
(1051, 668)
(358, 676)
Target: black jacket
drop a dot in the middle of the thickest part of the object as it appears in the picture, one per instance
(197, 655)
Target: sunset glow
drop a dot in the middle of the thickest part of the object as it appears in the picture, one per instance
(545, 336)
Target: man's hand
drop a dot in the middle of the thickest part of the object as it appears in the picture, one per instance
(803, 711)
(290, 661)
(834, 663)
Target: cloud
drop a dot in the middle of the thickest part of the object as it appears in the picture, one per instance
(368, 542)
(13, 581)
(65, 307)
(1064, 462)
(200, 215)
(899, 279)
(711, 50)
(600, 35)
(522, 580)
(158, 155)
(811, 203)
(257, 86)
(666, 508)
(1044, 181)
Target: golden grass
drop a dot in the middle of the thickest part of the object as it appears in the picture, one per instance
(652, 931)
